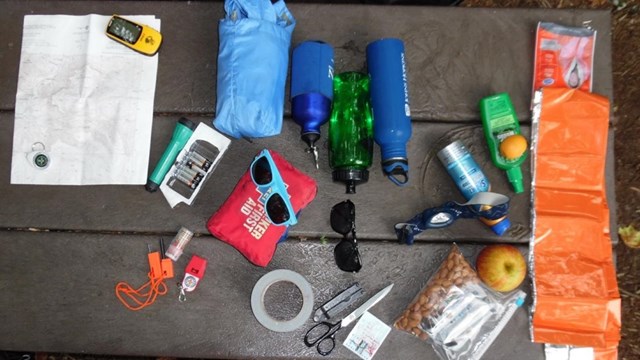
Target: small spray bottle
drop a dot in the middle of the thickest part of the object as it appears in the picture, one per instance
(311, 90)
(469, 179)
(507, 146)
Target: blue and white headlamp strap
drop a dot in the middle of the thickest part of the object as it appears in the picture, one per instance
(484, 204)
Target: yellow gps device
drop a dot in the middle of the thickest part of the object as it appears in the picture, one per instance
(138, 37)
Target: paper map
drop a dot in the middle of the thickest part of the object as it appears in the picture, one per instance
(86, 99)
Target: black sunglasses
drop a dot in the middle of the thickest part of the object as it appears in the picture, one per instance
(343, 221)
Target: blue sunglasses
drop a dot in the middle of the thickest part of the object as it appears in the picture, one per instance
(266, 176)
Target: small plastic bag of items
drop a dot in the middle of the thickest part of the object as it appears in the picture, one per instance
(456, 313)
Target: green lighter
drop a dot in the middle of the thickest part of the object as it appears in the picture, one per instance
(181, 134)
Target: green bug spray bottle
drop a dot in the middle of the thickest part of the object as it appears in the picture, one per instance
(508, 147)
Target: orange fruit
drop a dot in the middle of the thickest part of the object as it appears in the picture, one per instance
(513, 147)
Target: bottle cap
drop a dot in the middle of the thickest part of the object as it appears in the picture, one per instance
(515, 178)
(397, 170)
(501, 226)
(351, 177)
(151, 186)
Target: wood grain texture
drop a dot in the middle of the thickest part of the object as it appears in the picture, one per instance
(455, 56)
(62, 299)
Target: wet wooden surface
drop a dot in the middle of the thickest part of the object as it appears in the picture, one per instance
(57, 283)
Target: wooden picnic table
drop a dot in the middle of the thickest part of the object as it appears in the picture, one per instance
(65, 247)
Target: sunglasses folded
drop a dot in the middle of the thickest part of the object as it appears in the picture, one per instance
(343, 221)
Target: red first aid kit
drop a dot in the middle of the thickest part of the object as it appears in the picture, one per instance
(242, 222)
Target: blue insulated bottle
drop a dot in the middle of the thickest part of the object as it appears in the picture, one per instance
(311, 89)
(390, 103)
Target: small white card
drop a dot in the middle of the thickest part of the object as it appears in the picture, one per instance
(367, 336)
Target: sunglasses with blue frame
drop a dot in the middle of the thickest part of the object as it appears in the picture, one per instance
(266, 176)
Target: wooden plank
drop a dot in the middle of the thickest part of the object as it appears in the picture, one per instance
(455, 56)
(379, 203)
(62, 298)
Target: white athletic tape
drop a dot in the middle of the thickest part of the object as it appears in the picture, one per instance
(260, 289)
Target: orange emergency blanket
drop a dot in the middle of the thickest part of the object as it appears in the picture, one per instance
(576, 293)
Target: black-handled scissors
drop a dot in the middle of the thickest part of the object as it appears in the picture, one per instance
(323, 335)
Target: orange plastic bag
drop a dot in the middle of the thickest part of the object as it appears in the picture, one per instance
(577, 299)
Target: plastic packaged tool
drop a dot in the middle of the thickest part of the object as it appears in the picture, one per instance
(351, 130)
(311, 90)
(563, 57)
(456, 313)
(469, 179)
(577, 301)
(507, 146)
(194, 164)
(390, 102)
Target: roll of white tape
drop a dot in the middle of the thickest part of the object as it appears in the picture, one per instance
(260, 289)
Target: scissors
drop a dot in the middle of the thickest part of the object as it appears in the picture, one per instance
(323, 334)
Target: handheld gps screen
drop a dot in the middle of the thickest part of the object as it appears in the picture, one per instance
(124, 30)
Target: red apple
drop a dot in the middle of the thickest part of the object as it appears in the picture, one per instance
(501, 267)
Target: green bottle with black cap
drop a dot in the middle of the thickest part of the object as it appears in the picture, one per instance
(351, 130)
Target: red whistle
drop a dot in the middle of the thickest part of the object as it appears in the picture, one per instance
(193, 273)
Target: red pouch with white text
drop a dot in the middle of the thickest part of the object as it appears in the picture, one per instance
(241, 221)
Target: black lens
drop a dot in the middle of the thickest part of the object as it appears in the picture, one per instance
(347, 255)
(277, 209)
(343, 216)
(261, 171)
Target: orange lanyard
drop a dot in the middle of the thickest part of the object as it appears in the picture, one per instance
(137, 299)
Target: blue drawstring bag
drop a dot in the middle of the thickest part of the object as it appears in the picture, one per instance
(252, 67)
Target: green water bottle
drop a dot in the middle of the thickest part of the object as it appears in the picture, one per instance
(351, 130)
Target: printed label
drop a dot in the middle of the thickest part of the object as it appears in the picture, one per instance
(407, 109)
(256, 221)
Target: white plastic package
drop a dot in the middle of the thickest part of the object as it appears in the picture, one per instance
(456, 313)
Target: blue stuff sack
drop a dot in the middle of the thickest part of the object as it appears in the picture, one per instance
(252, 67)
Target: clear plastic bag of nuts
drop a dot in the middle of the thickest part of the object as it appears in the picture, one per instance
(456, 313)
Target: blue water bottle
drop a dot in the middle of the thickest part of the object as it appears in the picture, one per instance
(390, 103)
(311, 90)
